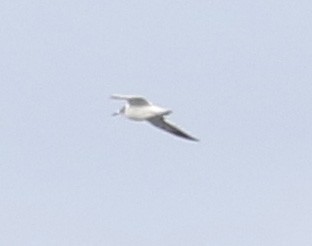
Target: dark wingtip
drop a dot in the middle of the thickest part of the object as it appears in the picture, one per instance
(188, 137)
(195, 139)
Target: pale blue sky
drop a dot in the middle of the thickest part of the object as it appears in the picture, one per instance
(237, 75)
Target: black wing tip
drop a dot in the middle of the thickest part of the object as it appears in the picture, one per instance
(185, 136)
(193, 139)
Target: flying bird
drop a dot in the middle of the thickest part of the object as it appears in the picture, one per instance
(139, 109)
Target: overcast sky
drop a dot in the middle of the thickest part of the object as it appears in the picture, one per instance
(237, 75)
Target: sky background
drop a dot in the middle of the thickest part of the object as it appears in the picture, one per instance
(237, 75)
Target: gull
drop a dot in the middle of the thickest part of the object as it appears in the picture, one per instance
(137, 108)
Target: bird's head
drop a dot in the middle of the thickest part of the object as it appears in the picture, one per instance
(119, 112)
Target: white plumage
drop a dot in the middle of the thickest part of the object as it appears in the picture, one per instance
(139, 109)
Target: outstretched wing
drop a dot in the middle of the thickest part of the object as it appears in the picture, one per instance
(161, 123)
(132, 100)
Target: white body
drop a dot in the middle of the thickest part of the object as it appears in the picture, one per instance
(140, 113)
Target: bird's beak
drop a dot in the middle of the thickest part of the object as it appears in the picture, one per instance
(115, 113)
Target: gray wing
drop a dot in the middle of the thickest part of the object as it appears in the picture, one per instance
(161, 123)
(132, 100)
